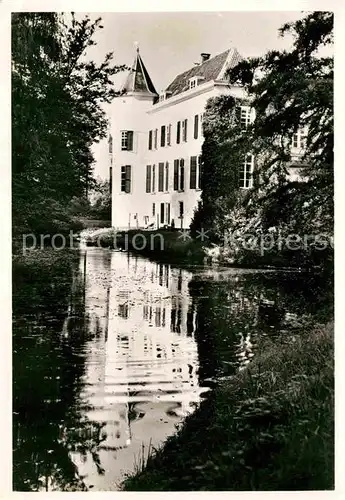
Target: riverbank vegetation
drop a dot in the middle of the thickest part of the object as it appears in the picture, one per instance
(269, 427)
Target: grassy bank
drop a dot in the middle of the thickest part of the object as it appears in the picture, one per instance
(268, 428)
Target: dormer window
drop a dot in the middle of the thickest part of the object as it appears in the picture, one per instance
(164, 95)
(196, 80)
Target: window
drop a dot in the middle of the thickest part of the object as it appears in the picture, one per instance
(195, 81)
(127, 140)
(181, 187)
(126, 179)
(199, 185)
(153, 178)
(178, 132)
(160, 176)
(153, 209)
(167, 213)
(181, 208)
(193, 168)
(162, 213)
(150, 139)
(176, 174)
(244, 117)
(192, 83)
(148, 178)
(169, 135)
(299, 139)
(162, 136)
(196, 126)
(167, 177)
(246, 172)
(184, 130)
(156, 138)
(195, 172)
(179, 175)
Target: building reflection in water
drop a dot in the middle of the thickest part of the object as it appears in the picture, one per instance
(141, 366)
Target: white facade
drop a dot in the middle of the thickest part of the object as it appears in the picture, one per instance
(152, 199)
(157, 141)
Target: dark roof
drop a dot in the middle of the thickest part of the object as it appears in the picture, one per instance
(209, 70)
(138, 79)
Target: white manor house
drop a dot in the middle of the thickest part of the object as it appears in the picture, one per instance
(156, 139)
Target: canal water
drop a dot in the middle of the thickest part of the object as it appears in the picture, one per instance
(108, 361)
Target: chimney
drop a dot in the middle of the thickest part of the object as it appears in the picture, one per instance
(205, 57)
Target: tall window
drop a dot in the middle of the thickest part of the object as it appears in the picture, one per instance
(126, 179)
(162, 213)
(150, 139)
(199, 184)
(127, 140)
(193, 169)
(169, 134)
(179, 175)
(156, 138)
(181, 208)
(195, 172)
(299, 139)
(153, 178)
(153, 209)
(148, 178)
(178, 132)
(184, 130)
(167, 213)
(162, 136)
(246, 172)
(196, 126)
(167, 177)
(244, 116)
(160, 176)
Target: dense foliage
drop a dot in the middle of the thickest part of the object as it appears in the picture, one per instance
(57, 115)
(289, 91)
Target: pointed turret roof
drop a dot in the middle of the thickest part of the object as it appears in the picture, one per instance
(138, 80)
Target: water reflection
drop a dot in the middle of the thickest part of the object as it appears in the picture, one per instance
(114, 355)
(141, 362)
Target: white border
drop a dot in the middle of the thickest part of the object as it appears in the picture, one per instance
(5, 185)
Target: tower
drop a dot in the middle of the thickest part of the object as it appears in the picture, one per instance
(129, 133)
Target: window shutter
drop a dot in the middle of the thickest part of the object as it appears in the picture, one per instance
(185, 130)
(167, 176)
(167, 215)
(153, 178)
(169, 135)
(178, 132)
(192, 183)
(196, 126)
(162, 213)
(176, 167)
(148, 178)
(162, 136)
(182, 174)
(128, 179)
(130, 140)
(200, 173)
(150, 139)
(160, 176)
(123, 179)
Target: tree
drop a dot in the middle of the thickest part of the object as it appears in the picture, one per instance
(57, 113)
(289, 90)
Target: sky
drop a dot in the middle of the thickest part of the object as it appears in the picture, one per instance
(171, 42)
